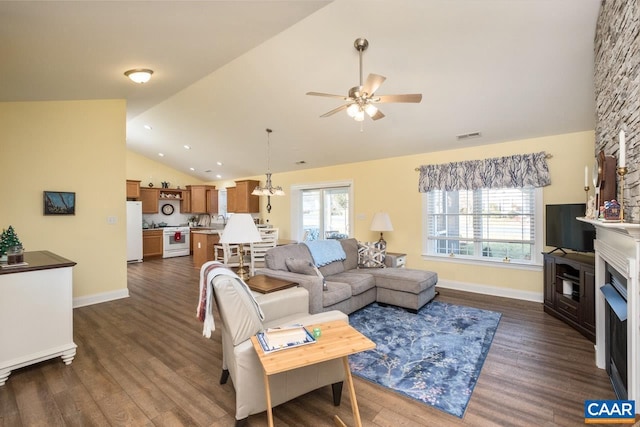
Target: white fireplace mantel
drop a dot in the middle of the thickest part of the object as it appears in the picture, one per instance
(618, 244)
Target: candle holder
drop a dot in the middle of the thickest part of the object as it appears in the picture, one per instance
(586, 194)
(622, 171)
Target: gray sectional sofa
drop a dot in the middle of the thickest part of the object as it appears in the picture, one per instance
(349, 288)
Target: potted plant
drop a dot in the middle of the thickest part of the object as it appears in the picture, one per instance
(11, 250)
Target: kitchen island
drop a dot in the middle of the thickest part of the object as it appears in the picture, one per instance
(203, 245)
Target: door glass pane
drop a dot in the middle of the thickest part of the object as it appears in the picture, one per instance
(336, 213)
(311, 214)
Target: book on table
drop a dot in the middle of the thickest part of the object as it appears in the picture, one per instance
(273, 339)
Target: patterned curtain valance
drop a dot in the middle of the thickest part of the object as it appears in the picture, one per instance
(520, 170)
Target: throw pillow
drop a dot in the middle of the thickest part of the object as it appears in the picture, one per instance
(371, 254)
(302, 266)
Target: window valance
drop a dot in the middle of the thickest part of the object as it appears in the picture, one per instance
(517, 171)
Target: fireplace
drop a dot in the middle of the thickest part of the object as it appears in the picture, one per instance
(615, 294)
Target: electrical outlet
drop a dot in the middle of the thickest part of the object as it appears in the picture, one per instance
(112, 220)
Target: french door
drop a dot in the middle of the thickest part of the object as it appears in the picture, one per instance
(325, 213)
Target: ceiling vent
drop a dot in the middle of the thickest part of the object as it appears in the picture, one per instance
(468, 135)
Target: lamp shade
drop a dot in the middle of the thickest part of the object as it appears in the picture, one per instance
(240, 229)
(381, 222)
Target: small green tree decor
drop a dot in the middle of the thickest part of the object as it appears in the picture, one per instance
(9, 239)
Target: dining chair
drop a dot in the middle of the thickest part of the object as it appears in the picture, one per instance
(259, 249)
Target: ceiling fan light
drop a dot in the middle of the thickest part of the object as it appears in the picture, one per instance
(359, 117)
(352, 110)
(371, 109)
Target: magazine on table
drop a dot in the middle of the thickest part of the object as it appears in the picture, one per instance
(274, 339)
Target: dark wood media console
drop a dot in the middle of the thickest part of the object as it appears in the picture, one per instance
(569, 290)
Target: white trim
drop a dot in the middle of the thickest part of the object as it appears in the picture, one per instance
(485, 263)
(296, 203)
(491, 290)
(101, 297)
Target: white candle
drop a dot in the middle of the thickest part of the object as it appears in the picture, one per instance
(586, 176)
(623, 155)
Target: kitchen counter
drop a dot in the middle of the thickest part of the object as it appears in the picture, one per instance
(207, 231)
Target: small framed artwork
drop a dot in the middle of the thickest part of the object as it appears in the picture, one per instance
(59, 203)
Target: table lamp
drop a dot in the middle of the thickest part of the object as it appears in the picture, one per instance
(381, 222)
(240, 229)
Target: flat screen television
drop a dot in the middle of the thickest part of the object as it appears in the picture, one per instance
(564, 231)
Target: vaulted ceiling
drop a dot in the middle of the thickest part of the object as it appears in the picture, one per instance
(224, 71)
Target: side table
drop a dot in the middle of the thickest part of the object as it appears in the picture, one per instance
(396, 259)
(265, 284)
(338, 340)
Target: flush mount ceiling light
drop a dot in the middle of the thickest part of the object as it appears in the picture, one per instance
(139, 75)
(268, 189)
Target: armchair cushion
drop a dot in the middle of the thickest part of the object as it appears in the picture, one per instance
(238, 308)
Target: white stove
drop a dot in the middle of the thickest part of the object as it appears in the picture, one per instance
(175, 241)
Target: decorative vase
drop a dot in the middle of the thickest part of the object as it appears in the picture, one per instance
(15, 255)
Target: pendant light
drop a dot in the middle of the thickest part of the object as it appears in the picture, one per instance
(268, 189)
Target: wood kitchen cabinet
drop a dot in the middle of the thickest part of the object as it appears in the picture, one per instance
(203, 243)
(203, 199)
(149, 199)
(151, 243)
(242, 199)
(133, 189)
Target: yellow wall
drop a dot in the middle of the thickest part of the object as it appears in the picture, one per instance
(76, 146)
(392, 185)
(143, 169)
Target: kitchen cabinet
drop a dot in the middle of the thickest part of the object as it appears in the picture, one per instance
(203, 243)
(151, 243)
(133, 189)
(243, 201)
(203, 199)
(149, 199)
(231, 199)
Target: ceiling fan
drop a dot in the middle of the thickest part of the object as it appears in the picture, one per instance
(361, 99)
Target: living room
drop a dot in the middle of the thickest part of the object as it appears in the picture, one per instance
(80, 146)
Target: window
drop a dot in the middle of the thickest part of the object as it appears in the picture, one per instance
(499, 225)
(321, 211)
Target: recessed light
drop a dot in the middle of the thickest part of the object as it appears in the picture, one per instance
(219, 163)
(218, 176)
(187, 147)
(192, 169)
(147, 127)
(161, 154)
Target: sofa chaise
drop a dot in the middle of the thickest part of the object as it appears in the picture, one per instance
(341, 285)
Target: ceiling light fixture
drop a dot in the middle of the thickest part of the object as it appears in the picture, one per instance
(187, 147)
(139, 75)
(147, 127)
(219, 163)
(161, 154)
(268, 189)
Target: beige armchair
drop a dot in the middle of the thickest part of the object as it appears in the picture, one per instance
(240, 320)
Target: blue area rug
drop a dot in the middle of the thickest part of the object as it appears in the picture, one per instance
(434, 356)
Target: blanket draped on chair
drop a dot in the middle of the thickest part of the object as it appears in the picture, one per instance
(209, 271)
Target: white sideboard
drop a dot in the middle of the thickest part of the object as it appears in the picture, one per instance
(36, 312)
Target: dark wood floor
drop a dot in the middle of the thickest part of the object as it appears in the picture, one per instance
(143, 361)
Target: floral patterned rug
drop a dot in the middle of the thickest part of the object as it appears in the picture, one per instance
(434, 356)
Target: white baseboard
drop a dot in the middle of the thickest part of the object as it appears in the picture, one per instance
(98, 298)
(491, 290)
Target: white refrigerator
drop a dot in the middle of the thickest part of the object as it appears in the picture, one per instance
(134, 231)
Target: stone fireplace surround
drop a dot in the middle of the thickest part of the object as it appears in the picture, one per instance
(618, 245)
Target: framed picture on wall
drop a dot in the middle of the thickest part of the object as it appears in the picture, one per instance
(59, 203)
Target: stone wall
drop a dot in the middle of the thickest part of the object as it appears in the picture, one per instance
(617, 87)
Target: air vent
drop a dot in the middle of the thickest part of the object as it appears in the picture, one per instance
(301, 162)
(208, 171)
(468, 135)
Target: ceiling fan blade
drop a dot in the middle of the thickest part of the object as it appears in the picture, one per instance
(377, 116)
(410, 97)
(335, 110)
(328, 95)
(373, 83)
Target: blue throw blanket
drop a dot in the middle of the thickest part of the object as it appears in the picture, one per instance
(326, 251)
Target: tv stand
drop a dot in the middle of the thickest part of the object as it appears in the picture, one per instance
(569, 290)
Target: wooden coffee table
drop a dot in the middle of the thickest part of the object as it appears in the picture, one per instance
(337, 340)
(265, 284)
